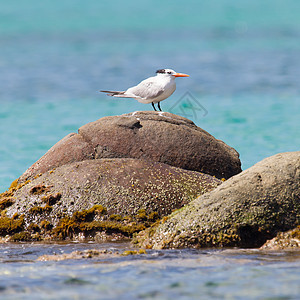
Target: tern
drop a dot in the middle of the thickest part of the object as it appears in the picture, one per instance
(153, 89)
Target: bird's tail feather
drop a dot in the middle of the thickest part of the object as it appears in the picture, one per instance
(114, 93)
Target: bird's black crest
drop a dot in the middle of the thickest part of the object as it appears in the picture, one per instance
(161, 71)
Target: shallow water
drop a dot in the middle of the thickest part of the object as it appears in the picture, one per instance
(187, 274)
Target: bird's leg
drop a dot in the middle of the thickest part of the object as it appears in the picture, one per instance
(159, 106)
(153, 106)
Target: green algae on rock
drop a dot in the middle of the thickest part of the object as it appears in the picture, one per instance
(9, 226)
(134, 252)
(7, 197)
(244, 211)
(23, 236)
(91, 224)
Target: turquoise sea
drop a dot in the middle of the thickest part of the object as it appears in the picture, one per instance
(244, 67)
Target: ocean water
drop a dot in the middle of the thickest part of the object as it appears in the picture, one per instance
(169, 274)
(244, 67)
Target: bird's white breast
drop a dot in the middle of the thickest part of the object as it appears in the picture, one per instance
(169, 89)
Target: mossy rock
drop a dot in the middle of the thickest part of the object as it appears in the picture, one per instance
(244, 211)
(90, 224)
(118, 197)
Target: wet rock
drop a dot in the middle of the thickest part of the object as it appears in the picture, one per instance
(91, 254)
(158, 136)
(289, 240)
(244, 211)
(118, 196)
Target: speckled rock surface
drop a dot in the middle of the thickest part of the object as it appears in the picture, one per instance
(244, 211)
(158, 136)
(122, 187)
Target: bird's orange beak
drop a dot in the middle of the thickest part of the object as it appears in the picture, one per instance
(181, 75)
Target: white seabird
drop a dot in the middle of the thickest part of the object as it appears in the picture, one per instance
(151, 90)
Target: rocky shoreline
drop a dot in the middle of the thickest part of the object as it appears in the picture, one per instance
(158, 180)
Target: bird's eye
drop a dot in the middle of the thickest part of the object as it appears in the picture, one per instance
(169, 72)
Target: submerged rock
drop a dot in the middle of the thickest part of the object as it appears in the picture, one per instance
(116, 196)
(244, 211)
(158, 136)
(91, 254)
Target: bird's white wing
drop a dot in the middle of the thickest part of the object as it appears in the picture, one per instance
(148, 89)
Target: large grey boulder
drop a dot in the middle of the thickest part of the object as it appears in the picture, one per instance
(244, 211)
(158, 136)
(68, 198)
